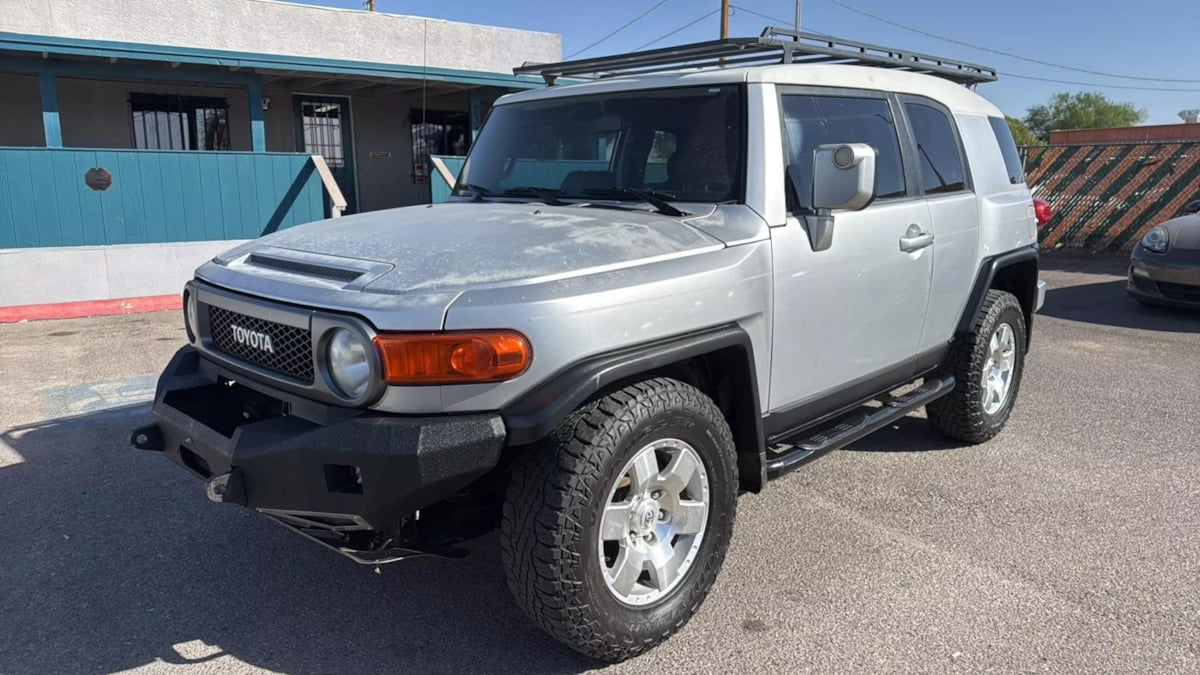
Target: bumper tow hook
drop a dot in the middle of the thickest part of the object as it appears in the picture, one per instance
(228, 488)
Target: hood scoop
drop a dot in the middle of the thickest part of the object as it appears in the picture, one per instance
(344, 273)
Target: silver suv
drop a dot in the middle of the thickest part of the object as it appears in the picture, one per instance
(648, 293)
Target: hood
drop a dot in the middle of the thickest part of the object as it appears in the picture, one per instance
(1185, 232)
(411, 263)
(455, 246)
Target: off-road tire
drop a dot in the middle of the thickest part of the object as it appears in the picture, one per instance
(961, 414)
(555, 499)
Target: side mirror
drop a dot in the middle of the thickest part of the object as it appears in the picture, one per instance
(1192, 206)
(843, 177)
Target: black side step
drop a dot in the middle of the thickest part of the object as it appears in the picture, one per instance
(854, 426)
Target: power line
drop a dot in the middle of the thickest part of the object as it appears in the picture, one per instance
(1098, 85)
(777, 20)
(1010, 55)
(639, 17)
(677, 30)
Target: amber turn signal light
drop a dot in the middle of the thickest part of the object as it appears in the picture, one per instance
(452, 358)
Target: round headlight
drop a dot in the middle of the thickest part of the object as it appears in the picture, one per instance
(1156, 240)
(349, 364)
(191, 321)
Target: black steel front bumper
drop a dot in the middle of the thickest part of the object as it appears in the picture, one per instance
(309, 465)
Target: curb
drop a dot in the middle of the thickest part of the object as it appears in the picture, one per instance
(75, 310)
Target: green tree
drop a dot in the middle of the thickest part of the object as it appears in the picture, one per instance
(1021, 133)
(1082, 110)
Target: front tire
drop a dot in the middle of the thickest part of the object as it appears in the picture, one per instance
(616, 526)
(987, 365)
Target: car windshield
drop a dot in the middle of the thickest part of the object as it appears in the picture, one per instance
(682, 144)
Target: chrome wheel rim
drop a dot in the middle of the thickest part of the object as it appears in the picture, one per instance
(998, 371)
(653, 522)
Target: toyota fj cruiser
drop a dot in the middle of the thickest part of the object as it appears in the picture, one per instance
(648, 292)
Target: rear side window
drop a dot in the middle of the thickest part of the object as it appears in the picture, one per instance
(818, 120)
(937, 148)
(1008, 148)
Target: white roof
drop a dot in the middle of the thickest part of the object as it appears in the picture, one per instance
(954, 96)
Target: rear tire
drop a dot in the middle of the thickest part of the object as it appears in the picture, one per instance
(604, 545)
(987, 365)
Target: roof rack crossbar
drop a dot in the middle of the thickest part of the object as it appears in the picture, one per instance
(775, 45)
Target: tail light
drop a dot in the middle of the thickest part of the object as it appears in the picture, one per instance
(453, 358)
(1042, 211)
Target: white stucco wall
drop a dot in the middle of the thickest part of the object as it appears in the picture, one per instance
(100, 272)
(266, 26)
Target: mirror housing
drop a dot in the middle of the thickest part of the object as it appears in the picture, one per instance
(843, 177)
(1192, 206)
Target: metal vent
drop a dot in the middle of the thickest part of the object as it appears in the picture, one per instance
(306, 269)
(290, 351)
(1182, 292)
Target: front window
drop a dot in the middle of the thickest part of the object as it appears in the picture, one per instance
(179, 122)
(683, 144)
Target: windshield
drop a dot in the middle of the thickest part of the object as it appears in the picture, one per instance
(680, 144)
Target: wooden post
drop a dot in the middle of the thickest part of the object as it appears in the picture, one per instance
(724, 19)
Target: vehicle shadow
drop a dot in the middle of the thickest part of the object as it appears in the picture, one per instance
(1076, 295)
(112, 558)
(1106, 303)
(907, 434)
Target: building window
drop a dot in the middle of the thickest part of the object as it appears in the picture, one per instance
(179, 122)
(436, 133)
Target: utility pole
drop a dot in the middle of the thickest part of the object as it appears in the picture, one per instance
(724, 19)
(798, 4)
(369, 4)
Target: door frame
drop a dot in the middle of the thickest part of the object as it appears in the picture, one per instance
(349, 140)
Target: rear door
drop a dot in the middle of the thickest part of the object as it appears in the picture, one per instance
(847, 319)
(944, 179)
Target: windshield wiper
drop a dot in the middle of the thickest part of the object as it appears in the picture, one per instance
(479, 190)
(545, 195)
(656, 198)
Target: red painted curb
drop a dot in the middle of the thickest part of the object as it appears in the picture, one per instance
(75, 310)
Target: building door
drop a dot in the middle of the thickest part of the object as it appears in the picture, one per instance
(323, 127)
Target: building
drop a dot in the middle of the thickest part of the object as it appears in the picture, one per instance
(1154, 133)
(137, 138)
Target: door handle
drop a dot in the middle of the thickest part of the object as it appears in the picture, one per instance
(915, 239)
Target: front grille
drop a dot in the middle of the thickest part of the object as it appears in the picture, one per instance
(1182, 292)
(1144, 285)
(290, 347)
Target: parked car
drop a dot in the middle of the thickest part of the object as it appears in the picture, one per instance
(1164, 268)
(647, 294)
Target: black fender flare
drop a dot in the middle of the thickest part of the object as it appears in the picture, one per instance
(984, 281)
(535, 414)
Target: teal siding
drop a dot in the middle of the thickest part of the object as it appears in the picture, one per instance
(155, 196)
(439, 189)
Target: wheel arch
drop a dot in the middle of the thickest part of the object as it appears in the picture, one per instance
(718, 361)
(1015, 272)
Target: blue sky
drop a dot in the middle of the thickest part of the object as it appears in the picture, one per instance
(1150, 38)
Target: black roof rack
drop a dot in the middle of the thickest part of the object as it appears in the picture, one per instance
(773, 46)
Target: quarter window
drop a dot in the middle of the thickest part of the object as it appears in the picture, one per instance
(937, 148)
(1008, 148)
(818, 120)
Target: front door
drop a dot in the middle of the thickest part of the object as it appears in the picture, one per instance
(851, 316)
(323, 127)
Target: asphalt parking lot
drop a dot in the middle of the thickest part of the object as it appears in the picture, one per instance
(1070, 543)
